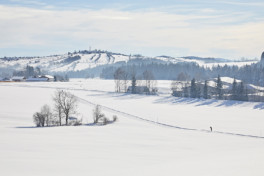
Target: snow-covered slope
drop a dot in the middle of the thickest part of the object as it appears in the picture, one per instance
(82, 60)
(66, 62)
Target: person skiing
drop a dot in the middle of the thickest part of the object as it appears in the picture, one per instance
(211, 128)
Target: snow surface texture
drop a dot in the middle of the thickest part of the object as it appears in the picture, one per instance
(139, 143)
(79, 62)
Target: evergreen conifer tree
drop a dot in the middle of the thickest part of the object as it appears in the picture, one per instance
(234, 91)
(198, 92)
(242, 92)
(219, 88)
(205, 90)
(193, 89)
(133, 84)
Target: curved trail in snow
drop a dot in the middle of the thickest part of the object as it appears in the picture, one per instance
(165, 125)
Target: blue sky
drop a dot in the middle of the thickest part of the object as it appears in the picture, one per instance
(227, 29)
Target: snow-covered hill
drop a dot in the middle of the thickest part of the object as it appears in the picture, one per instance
(83, 60)
(66, 62)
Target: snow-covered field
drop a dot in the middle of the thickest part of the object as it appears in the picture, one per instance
(154, 135)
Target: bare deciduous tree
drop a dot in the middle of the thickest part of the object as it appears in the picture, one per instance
(97, 113)
(121, 79)
(66, 103)
(39, 119)
(125, 79)
(150, 81)
(58, 105)
(133, 84)
(42, 117)
(46, 112)
(117, 76)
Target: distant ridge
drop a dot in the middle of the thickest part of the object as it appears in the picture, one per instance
(86, 59)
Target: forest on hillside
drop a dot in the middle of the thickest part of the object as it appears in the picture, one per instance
(249, 74)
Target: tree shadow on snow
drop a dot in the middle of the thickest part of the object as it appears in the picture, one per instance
(205, 102)
(230, 103)
(180, 100)
(31, 127)
(259, 106)
(119, 96)
(28, 127)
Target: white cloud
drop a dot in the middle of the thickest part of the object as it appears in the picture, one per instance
(32, 2)
(243, 3)
(202, 35)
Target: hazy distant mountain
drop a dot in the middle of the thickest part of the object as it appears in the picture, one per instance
(83, 60)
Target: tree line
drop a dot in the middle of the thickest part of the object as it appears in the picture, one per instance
(249, 74)
(130, 81)
(196, 89)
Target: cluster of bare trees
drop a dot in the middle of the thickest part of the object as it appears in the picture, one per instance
(150, 81)
(144, 83)
(100, 118)
(121, 80)
(65, 105)
(44, 117)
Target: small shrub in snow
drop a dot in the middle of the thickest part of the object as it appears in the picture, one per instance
(78, 123)
(100, 118)
(74, 121)
(104, 120)
(115, 118)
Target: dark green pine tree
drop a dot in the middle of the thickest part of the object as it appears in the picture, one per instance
(198, 92)
(246, 95)
(133, 84)
(242, 92)
(219, 88)
(205, 90)
(234, 91)
(193, 89)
